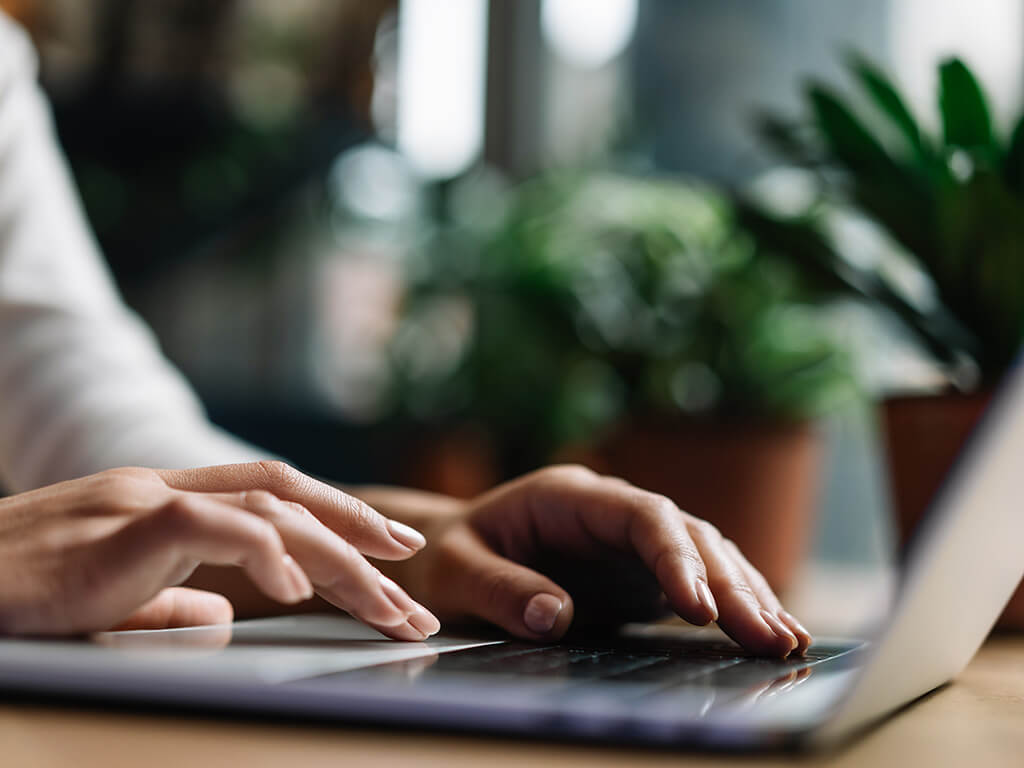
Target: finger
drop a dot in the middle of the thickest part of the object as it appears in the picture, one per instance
(768, 598)
(622, 516)
(339, 572)
(179, 607)
(361, 525)
(421, 623)
(495, 589)
(741, 613)
(163, 548)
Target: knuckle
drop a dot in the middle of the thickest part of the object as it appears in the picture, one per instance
(111, 486)
(572, 474)
(662, 506)
(705, 530)
(685, 553)
(180, 515)
(279, 474)
(361, 516)
(745, 592)
(259, 499)
(296, 511)
(689, 554)
(655, 510)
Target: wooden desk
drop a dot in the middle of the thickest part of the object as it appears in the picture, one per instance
(977, 722)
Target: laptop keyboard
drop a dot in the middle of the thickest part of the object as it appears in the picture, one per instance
(642, 668)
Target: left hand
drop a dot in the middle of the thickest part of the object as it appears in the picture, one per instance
(564, 543)
(109, 550)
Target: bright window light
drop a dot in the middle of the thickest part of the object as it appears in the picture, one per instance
(586, 33)
(987, 34)
(441, 68)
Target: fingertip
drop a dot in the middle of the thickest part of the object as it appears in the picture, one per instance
(406, 632)
(803, 635)
(706, 600)
(545, 616)
(175, 607)
(541, 613)
(299, 587)
(406, 535)
(787, 641)
(424, 621)
(752, 628)
(695, 605)
(393, 541)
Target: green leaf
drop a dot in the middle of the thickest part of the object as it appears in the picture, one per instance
(894, 193)
(801, 241)
(891, 104)
(903, 204)
(966, 121)
(850, 142)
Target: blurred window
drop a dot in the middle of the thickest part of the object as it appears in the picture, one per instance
(441, 63)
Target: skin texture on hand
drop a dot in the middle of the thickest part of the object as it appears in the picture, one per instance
(565, 543)
(107, 551)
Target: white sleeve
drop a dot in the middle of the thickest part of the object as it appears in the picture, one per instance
(83, 384)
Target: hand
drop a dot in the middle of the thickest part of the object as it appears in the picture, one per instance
(565, 542)
(105, 551)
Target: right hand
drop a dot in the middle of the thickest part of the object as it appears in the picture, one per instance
(565, 544)
(106, 551)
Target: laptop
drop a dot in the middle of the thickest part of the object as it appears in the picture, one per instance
(650, 685)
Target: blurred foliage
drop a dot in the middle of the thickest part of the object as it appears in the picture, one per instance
(596, 298)
(954, 202)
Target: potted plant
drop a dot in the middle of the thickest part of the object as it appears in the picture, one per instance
(954, 203)
(629, 324)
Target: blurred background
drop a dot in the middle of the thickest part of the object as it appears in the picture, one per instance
(302, 197)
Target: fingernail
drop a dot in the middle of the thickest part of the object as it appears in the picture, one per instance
(424, 621)
(541, 613)
(779, 628)
(301, 587)
(406, 536)
(398, 598)
(790, 619)
(705, 598)
(407, 632)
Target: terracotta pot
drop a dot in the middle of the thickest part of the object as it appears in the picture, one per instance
(923, 436)
(758, 484)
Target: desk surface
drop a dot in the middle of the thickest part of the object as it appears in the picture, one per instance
(978, 722)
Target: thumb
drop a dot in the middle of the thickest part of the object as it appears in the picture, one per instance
(516, 598)
(179, 607)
